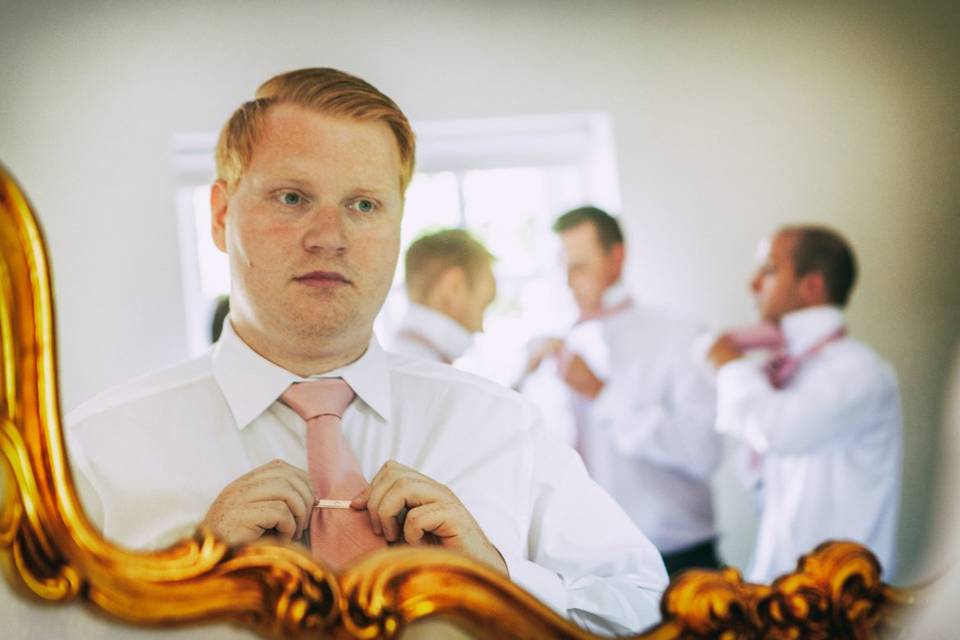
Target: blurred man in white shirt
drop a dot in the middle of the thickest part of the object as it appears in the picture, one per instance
(643, 409)
(449, 281)
(307, 206)
(822, 415)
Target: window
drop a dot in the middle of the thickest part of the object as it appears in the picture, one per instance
(504, 179)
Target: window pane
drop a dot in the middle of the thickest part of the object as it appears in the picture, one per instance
(432, 202)
(512, 210)
(508, 210)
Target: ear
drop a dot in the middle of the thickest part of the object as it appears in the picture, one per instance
(447, 291)
(617, 255)
(453, 282)
(813, 289)
(219, 200)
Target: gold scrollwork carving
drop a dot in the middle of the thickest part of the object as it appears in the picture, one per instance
(836, 592)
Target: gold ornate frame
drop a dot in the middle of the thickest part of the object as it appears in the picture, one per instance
(58, 556)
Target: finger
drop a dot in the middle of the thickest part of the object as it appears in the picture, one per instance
(359, 501)
(303, 489)
(273, 490)
(277, 517)
(381, 483)
(300, 507)
(440, 520)
(407, 492)
(374, 493)
(382, 519)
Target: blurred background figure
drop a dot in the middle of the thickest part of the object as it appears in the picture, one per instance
(642, 408)
(450, 284)
(821, 415)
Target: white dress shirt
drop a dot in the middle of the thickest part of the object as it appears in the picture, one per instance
(830, 443)
(427, 333)
(648, 437)
(153, 455)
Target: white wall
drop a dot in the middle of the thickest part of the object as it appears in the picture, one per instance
(730, 119)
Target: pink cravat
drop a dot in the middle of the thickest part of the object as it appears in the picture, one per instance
(781, 366)
(337, 536)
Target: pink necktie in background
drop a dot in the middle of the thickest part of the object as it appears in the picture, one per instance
(781, 366)
(337, 536)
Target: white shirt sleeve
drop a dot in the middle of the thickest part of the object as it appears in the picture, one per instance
(668, 422)
(808, 413)
(586, 558)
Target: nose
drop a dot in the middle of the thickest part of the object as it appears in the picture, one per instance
(755, 282)
(325, 230)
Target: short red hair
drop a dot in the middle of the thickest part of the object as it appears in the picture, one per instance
(323, 89)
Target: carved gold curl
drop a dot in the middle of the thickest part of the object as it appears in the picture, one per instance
(58, 556)
(836, 592)
(388, 590)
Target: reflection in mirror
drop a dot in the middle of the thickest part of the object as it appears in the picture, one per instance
(728, 122)
(405, 581)
(297, 410)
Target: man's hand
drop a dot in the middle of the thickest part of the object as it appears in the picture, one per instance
(724, 350)
(434, 514)
(275, 498)
(539, 349)
(577, 374)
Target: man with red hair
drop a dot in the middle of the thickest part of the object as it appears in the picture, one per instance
(297, 425)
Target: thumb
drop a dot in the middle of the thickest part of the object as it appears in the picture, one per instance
(359, 501)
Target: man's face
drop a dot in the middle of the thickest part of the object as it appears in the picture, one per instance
(590, 269)
(312, 230)
(775, 283)
(478, 298)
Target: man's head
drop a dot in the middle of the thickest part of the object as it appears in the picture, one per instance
(450, 271)
(307, 205)
(593, 253)
(803, 266)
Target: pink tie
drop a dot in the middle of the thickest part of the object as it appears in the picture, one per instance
(337, 536)
(781, 366)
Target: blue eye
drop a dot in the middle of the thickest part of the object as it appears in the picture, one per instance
(291, 198)
(364, 205)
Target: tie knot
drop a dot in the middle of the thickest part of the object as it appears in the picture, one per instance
(779, 368)
(318, 397)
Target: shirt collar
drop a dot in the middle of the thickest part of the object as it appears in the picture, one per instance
(251, 383)
(441, 331)
(615, 295)
(804, 327)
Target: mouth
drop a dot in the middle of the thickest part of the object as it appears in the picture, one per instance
(323, 279)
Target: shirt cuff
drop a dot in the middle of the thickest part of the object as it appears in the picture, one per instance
(737, 382)
(738, 377)
(544, 584)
